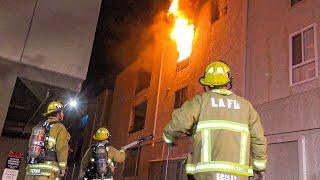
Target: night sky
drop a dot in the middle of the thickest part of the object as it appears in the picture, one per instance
(120, 35)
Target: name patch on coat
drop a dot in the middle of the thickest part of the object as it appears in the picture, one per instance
(221, 176)
(225, 103)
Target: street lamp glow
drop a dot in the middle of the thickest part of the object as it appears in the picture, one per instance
(73, 103)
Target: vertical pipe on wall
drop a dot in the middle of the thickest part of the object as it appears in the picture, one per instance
(159, 91)
(29, 29)
(245, 74)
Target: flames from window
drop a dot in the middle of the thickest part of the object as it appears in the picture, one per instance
(182, 32)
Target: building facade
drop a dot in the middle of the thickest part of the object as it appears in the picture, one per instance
(272, 48)
(282, 82)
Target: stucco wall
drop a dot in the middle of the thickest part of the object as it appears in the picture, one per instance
(289, 113)
(268, 47)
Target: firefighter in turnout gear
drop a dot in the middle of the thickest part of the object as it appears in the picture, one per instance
(224, 128)
(48, 146)
(98, 161)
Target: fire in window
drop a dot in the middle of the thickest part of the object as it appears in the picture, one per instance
(303, 56)
(293, 2)
(139, 117)
(180, 97)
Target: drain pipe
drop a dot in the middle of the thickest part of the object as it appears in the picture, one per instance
(159, 91)
(245, 69)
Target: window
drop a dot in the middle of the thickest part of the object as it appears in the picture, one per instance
(143, 80)
(175, 169)
(293, 2)
(182, 65)
(131, 162)
(139, 117)
(214, 11)
(303, 55)
(180, 97)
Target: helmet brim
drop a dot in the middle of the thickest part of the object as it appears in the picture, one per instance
(202, 81)
(98, 139)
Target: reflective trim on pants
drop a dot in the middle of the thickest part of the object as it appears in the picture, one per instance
(166, 139)
(259, 164)
(43, 169)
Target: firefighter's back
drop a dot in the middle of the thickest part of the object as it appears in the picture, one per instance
(47, 165)
(222, 138)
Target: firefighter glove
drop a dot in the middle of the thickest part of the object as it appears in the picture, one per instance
(259, 175)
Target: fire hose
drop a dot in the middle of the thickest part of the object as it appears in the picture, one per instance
(137, 142)
(167, 163)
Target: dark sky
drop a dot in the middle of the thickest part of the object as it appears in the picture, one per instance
(120, 35)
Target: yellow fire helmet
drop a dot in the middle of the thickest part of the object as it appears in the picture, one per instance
(216, 74)
(54, 107)
(101, 134)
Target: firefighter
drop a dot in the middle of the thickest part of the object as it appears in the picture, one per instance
(98, 161)
(48, 146)
(224, 127)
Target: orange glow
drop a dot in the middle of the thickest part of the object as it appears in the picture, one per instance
(182, 32)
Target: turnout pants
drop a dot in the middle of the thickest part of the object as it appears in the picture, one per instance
(217, 176)
(28, 177)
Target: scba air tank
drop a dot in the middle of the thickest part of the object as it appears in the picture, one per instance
(101, 160)
(36, 146)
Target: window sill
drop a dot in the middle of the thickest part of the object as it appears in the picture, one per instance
(305, 81)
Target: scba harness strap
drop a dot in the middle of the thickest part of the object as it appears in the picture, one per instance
(100, 165)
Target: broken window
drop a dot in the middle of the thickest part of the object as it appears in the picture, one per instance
(132, 162)
(293, 2)
(219, 8)
(180, 97)
(143, 80)
(139, 117)
(214, 11)
(303, 56)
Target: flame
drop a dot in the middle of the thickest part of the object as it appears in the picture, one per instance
(183, 31)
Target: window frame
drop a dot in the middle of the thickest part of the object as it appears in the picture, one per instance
(315, 59)
(181, 90)
(132, 116)
(301, 140)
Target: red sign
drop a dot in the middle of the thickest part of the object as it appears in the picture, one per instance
(14, 154)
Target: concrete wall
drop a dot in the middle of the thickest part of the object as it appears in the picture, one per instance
(45, 41)
(222, 40)
(10, 71)
(60, 37)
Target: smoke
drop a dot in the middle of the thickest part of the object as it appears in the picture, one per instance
(138, 28)
(130, 29)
